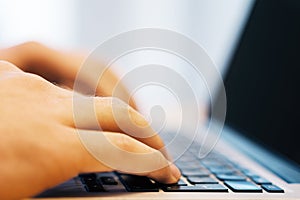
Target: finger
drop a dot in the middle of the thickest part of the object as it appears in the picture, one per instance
(62, 68)
(112, 114)
(125, 154)
(39, 59)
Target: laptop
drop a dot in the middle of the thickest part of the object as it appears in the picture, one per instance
(258, 153)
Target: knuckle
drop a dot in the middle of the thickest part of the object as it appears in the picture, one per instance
(131, 114)
(125, 142)
(31, 81)
(7, 66)
(31, 45)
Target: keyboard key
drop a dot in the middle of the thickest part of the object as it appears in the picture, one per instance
(180, 182)
(211, 163)
(221, 170)
(190, 165)
(251, 174)
(94, 188)
(242, 186)
(196, 179)
(197, 188)
(90, 182)
(185, 166)
(260, 180)
(196, 172)
(88, 178)
(272, 188)
(231, 177)
(108, 180)
(138, 183)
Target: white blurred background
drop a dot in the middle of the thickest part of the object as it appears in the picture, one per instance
(79, 24)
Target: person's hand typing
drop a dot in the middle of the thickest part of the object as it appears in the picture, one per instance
(40, 146)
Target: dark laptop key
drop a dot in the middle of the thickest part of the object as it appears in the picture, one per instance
(138, 183)
(231, 177)
(90, 182)
(180, 182)
(88, 178)
(195, 172)
(196, 179)
(260, 180)
(197, 188)
(272, 188)
(108, 180)
(94, 187)
(242, 186)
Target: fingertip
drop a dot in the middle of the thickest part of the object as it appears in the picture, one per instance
(169, 175)
(175, 172)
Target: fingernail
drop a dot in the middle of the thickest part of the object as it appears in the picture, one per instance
(175, 171)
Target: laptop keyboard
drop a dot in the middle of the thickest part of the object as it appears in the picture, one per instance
(214, 173)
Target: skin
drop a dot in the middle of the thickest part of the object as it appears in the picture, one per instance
(40, 146)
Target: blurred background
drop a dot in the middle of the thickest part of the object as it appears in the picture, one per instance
(83, 25)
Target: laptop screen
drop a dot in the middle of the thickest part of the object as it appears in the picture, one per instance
(262, 81)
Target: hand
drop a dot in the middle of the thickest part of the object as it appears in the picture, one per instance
(40, 144)
(61, 68)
